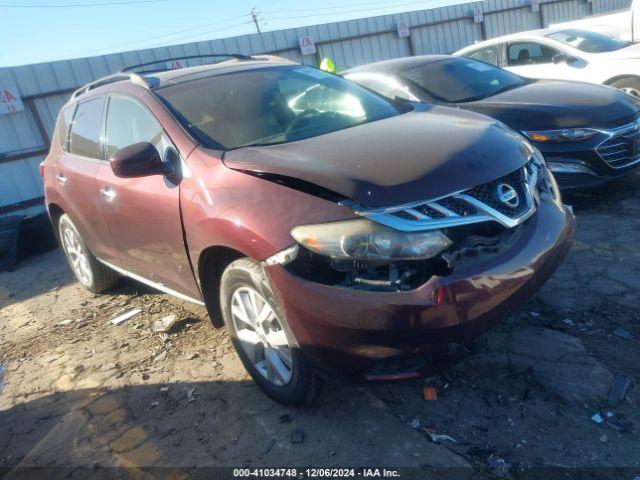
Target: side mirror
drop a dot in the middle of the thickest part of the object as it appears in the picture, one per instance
(139, 160)
(563, 57)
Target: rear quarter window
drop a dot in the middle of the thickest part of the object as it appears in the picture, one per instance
(64, 121)
(486, 54)
(86, 129)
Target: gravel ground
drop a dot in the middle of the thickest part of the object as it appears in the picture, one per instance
(81, 392)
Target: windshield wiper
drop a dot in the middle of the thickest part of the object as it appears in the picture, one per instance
(258, 144)
(487, 95)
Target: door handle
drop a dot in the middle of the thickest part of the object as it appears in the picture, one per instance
(108, 194)
(62, 180)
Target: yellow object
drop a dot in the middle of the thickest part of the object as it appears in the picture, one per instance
(327, 65)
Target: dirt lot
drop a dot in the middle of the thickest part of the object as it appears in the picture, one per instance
(81, 392)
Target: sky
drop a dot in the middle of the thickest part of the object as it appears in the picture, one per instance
(45, 30)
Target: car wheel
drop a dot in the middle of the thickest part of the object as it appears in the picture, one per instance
(92, 275)
(262, 338)
(629, 85)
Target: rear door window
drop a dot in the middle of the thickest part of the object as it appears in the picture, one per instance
(530, 53)
(86, 129)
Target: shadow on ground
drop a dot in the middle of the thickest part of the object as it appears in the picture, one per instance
(202, 424)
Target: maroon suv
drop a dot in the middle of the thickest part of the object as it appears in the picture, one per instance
(335, 232)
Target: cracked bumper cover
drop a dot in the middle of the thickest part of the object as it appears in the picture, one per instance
(347, 333)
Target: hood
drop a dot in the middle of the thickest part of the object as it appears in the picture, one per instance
(550, 104)
(419, 155)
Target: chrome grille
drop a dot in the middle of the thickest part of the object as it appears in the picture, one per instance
(621, 149)
(486, 193)
(474, 205)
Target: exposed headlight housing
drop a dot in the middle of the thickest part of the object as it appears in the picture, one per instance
(562, 135)
(362, 239)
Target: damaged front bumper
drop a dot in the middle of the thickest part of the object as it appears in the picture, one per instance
(359, 334)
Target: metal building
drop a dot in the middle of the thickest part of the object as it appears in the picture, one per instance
(41, 89)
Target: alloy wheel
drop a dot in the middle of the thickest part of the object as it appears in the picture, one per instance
(77, 255)
(634, 92)
(261, 335)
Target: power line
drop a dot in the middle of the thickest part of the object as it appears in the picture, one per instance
(346, 11)
(168, 35)
(74, 5)
(336, 9)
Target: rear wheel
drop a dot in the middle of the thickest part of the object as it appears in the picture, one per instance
(629, 85)
(261, 336)
(92, 275)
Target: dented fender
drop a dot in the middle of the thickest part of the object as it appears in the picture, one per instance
(228, 208)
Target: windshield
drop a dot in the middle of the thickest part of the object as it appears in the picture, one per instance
(457, 80)
(266, 106)
(589, 42)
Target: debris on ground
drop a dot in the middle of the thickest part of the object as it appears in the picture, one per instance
(429, 393)
(599, 418)
(191, 397)
(161, 357)
(125, 316)
(623, 333)
(568, 321)
(498, 466)
(269, 446)
(165, 324)
(2, 373)
(286, 418)
(619, 389)
(414, 423)
(297, 436)
(439, 437)
(535, 314)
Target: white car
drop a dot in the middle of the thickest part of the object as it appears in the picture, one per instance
(565, 54)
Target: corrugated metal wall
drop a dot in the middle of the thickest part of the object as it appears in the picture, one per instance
(508, 20)
(565, 11)
(600, 6)
(45, 87)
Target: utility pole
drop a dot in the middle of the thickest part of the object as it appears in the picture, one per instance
(254, 18)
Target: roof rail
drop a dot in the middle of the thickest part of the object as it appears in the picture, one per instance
(133, 77)
(237, 56)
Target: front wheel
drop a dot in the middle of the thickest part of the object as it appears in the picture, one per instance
(262, 338)
(629, 85)
(92, 275)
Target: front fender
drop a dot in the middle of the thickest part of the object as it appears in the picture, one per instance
(252, 215)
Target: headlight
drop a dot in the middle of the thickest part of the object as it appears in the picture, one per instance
(362, 239)
(559, 136)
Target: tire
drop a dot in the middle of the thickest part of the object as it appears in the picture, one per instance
(260, 343)
(90, 273)
(629, 85)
